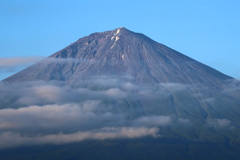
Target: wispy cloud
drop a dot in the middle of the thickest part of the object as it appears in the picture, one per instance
(11, 64)
(13, 139)
(219, 123)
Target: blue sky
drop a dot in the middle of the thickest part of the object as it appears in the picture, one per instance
(206, 30)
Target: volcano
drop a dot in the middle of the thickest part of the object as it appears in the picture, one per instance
(139, 77)
(121, 52)
(191, 89)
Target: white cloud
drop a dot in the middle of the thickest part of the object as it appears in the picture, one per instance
(151, 121)
(219, 123)
(67, 117)
(51, 112)
(209, 100)
(73, 122)
(42, 93)
(10, 64)
(13, 139)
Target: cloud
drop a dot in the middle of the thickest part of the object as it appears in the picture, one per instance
(11, 64)
(56, 118)
(101, 107)
(41, 93)
(151, 121)
(219, 123)
(209, 100)
(58, 124)
(50, 113)
(12, 139)
(67, 60)
(185, 122)
(175, 86)
(232, 87)
(71, 118)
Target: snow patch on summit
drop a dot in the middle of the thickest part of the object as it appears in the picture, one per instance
(116, 39)
(118, 31)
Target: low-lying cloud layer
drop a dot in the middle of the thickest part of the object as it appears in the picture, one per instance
(111, 88)
(52, 113)
(34, 113)
(14, 139)
(57, 124)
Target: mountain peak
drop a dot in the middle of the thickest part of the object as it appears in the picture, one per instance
(119, 52)
(121, 30)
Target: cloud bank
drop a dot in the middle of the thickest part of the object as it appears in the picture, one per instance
(35, 113)
(58, 124)
(14, 139)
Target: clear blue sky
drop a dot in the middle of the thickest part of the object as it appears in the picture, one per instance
(206, 30)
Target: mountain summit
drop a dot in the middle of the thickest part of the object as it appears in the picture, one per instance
(119, 52)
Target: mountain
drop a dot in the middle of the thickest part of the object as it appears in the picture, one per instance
(120, 52)
(137, 82)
